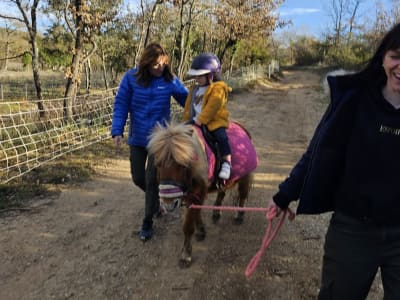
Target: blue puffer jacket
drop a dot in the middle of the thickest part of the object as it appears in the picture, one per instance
(146, 106)
(315, 178)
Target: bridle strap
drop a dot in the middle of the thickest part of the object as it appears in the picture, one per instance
(182, 186)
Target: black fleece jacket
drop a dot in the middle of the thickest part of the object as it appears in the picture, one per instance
(350, 163)
(370, 186)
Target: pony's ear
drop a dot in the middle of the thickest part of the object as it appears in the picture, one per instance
(191, 129)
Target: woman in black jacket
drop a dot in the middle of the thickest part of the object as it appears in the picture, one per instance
(351, 167)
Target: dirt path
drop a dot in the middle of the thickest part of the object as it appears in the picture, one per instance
(80, 245)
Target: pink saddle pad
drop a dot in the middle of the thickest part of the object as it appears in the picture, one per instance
(244, 156)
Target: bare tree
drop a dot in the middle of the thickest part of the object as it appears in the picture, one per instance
(28, 17)
(148, 13)
(343, 14)
(9, 30)
(383, 21)
(352, 19)
(238, 19)
(84, 19)
(182, 35)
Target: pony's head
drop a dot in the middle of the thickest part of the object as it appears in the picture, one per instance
(175, 157)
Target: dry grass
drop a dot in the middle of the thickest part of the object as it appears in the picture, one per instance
(71, 169)
(27, 75)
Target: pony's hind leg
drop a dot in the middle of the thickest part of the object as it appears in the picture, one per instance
(244, 185)
(216, 215)
(200, 228)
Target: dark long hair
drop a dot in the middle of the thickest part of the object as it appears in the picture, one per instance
(373, 73)
(150, 55)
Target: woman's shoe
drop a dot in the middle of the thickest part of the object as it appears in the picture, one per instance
(145, 234)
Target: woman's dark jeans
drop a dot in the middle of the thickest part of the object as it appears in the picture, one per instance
(145, 177)
(354, 251)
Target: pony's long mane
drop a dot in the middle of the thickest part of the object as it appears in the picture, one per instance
(172, 144)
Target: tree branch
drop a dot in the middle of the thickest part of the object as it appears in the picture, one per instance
(19, 55)
(94, 44)
(11, 18)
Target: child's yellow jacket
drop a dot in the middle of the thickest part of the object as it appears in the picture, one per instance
(214, 113)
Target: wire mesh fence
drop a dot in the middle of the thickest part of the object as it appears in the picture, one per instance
(18, 89)
(28, 140)
(240, 77)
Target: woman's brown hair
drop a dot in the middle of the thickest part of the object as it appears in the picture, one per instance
(150, 55)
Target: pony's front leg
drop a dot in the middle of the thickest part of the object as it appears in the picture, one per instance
(216, 212)
(200, 228)
(188, 230)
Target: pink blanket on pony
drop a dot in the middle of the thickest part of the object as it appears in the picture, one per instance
(244, 156)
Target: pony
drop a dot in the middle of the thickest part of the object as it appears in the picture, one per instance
(185, 171)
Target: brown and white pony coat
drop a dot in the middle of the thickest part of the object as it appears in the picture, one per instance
(182, 164)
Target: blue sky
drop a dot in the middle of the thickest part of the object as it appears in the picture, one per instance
(311, 16)
(308, 16)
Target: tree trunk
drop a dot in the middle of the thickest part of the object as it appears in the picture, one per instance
(230, 43)
(151, 20)
(36, 78)
(183, 36)
(75, 69)
(104, 69)
(32, 31)
(351, 21)
(139, 48)
(5, 68)
(88, 76)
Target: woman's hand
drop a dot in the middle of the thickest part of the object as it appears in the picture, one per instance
(272, 206)
(118, 139)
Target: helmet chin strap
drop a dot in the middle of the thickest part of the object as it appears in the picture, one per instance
(210, 78)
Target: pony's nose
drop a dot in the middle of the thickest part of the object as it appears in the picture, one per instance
(169, 191)
(169, 205)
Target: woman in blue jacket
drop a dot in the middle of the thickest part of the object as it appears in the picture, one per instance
(145, 94)
(351, 167)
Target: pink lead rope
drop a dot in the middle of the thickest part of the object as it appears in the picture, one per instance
(268, 238)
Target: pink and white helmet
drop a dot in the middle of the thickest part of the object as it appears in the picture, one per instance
(205, 63)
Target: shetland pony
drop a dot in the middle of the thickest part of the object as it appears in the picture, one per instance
(185, 169)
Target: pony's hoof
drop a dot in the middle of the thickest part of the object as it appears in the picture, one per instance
(239, 218)
(238, 221)
(216, 217)
(200, 236)
(185, 263)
